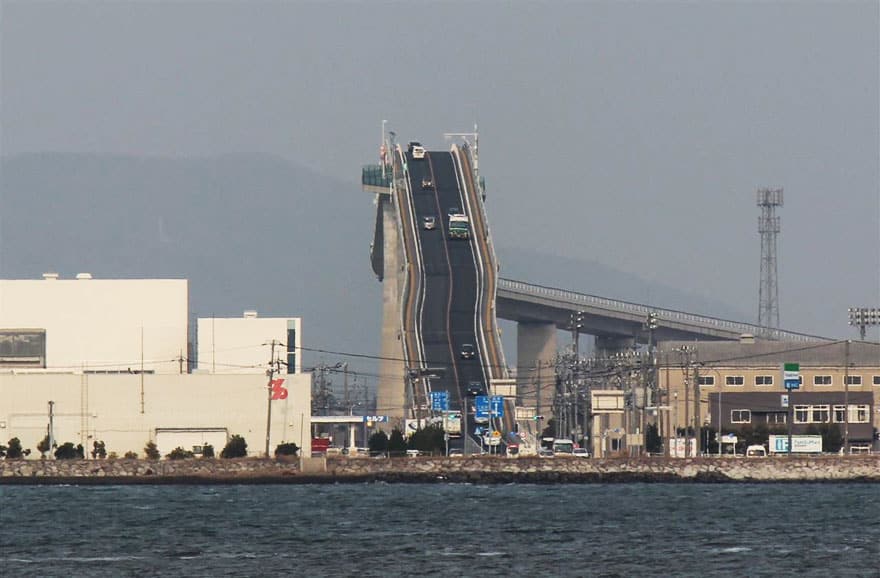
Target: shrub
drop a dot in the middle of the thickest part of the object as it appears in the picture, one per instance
(68, 451)
(114, 456)
(396, 443)
(130, 455)
(207, 451)
(179, 453)
(429, 440)
(99, 450)
(14, 451)
(43, 446)
(151, 451)
(287, 449)
(236, 447)
(378, 443)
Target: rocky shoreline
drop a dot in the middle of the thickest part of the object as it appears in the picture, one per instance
(422, 470)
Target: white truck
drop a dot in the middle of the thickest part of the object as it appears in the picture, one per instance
(452, 423)
(459, 226)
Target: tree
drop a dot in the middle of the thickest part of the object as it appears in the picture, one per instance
(151, 451)
(431, 439)
(68, 451)
(99, 450)
(179, 453)
(396, 443)
(207, 451)
(130, 455)
(236, 447)
(832, 439)
(653, 443)
(43, 446)
(286, 449)
(378, 443)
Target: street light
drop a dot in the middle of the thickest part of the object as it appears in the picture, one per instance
(862, 317)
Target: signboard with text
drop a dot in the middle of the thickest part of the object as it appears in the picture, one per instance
(791, 376)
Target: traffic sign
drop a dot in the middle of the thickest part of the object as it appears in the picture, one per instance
(497, 403)
(481, 406)
(791, 376)
(439, 400)
(783, 401)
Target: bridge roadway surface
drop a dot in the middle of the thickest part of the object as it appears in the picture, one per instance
(447, 316)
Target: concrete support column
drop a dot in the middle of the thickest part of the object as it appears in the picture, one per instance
(606, 345)
(390, 392)
(352, 440)
(535, 354)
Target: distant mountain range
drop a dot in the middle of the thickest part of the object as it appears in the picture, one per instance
(249, 232)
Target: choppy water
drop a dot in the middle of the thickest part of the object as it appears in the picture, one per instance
(444, 529)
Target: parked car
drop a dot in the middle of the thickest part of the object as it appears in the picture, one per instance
(429, 223)
(455, 453)
(580, 453)
(545, 453)
(468, 351)
(756, 451)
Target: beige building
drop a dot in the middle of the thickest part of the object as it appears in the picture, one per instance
(94, 324)
(126, 411)
(246, 344)
(733, 384)
(92, 360)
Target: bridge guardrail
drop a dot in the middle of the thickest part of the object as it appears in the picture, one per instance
(668, 314)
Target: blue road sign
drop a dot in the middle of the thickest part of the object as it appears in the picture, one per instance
(439, 400)
(481, 405)
(497, 402)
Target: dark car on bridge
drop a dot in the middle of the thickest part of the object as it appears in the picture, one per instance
(468, 351)
(476, 388)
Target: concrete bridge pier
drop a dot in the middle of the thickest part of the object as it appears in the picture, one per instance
(535, 354)
(606, 345)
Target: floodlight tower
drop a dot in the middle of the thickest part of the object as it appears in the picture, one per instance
(768, 227)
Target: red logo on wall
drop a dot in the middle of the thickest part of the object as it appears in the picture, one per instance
(278, 392)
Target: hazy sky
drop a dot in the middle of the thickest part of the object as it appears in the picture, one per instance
(634, 134)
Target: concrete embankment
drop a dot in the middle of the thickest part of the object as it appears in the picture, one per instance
(432, 470)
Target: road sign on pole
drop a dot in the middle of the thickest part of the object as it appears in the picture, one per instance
(791, 376)
(497, 405)
(440, 400)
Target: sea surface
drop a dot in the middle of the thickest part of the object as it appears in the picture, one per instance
(828, 530)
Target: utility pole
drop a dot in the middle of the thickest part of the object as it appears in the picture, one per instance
(846, 397)
(271, 373)
(51, 427)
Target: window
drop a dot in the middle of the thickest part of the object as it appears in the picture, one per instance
(706, 380)
(819, 414)
(740, 416)
(877, 380)
(853, 380)
(734, 380)
(763, 380)
(801, 414)
(839, 415)
(858, 414)
(776, 418)
(821, 380)
(291, 350)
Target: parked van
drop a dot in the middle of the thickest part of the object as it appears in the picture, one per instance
(756, 452)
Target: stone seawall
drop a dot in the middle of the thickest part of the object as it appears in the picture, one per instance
(426, 469)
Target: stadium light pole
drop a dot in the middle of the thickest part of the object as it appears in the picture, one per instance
(863, 317)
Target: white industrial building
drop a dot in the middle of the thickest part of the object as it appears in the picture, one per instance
(246, 344)
(108, 359)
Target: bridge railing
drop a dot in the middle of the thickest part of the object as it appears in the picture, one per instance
(639, 309)
(374, 176)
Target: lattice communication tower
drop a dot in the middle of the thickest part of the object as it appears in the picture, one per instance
(768, 227)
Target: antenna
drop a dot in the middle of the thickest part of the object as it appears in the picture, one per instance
(768, 228)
